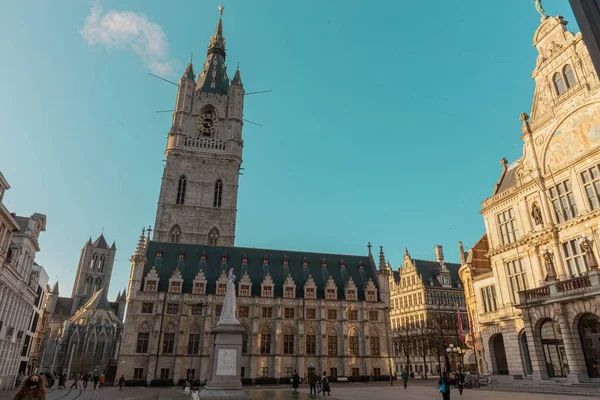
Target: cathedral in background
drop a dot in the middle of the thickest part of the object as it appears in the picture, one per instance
(83, 332)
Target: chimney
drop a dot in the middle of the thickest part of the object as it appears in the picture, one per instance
(439, 254)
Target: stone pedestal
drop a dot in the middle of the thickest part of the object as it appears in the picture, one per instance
(224, 379)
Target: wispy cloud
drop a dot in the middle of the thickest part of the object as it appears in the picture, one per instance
(127, 30)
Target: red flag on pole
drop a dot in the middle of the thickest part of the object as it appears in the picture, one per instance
(461, 334)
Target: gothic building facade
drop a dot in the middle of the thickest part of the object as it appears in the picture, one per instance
(300, 310)
(537, 300)
(425, 299)
(83, 332)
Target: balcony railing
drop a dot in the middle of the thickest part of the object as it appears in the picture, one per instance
(536, 293)
(560, 288)
(573, 284)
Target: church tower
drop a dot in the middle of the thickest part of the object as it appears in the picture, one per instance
(198, 195)
(94, 271)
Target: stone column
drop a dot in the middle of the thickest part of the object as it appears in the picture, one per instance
(536, 351)
(537, 267)
(559, 264)
(525, 218)
(577, 368)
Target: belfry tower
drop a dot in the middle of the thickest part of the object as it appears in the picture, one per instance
(198, 195)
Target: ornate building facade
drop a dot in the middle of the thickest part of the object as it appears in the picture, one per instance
(83, 332)
(297, 308)
(18, 288)
(537, 301)
(425, 299)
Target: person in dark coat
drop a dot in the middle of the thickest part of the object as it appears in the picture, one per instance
(460, 380)
(325, 383)
(75, 380)
(121, 382)
(95, 378)
(444, 385)
(295, 381)
(62, 381)
(312, 382)
(405, 378)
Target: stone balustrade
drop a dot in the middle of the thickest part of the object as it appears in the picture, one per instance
(590, 282)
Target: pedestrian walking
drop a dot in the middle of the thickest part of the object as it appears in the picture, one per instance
(96, 378)
(312, 381)
(295, 381)
(121, 382)
(101, 380)
(31, 388)
(62, 380)
(85, 379)
(74, 384)
(444, 385)
(460, 380)
(325, 383)
(404, 376)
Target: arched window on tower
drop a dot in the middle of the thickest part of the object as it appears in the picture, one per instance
(569, 76)
(181, 190)
(175, 234)
(92, 261)
(559, 83)
(101, 264)
(213, 236)
(218, 193)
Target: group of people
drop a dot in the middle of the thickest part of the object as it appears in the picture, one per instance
(97, 380)
(318, 383)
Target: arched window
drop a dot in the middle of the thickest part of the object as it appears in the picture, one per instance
(218, 193)
(374, 343)
(288, 341)
(181, 190)
(559, 84)
(213, 236)
(92, 261)
(101, 264)
(332, 343)
(353, 343)
(175, 234)
(265, 341)
(569, 76)
(100, 350)
(207, 123)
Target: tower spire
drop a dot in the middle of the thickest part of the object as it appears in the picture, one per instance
(213, 77)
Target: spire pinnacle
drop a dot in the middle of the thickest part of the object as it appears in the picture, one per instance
(220, 23)
(237, 78)
(141, 246)
(382, 263)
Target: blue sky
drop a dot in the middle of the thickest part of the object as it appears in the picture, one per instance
(386, 122)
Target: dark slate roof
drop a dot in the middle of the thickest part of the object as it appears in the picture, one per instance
(63, 306)
(115, 306)
(509, 180)
(101, 242)
(212, 267)
(23, 223)
(428, 269)
(97, 301)
(214, 69)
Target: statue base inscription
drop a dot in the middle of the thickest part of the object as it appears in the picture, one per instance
(224, 380)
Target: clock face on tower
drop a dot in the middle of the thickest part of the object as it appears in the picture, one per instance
(207, 123)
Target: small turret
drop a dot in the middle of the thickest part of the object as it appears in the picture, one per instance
(383, 281)
(235, 107)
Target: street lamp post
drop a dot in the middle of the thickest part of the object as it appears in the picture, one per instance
(387, 332)
(451, 350)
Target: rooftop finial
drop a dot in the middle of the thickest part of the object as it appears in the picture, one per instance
(191, 56)
(220, 24)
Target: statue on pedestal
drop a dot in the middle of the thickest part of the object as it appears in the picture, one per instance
(229, 304)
